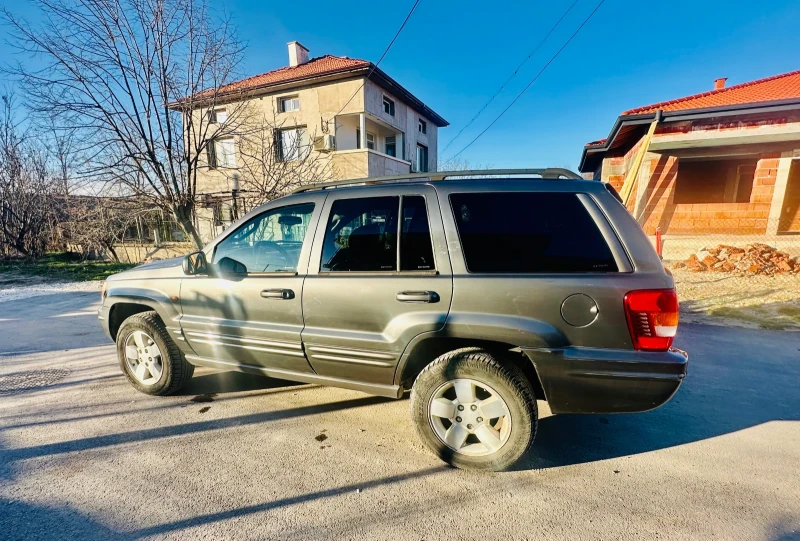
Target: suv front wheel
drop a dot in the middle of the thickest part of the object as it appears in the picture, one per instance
(151, 361)
(473, 411)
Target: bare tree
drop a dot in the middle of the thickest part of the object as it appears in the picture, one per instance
(26, 188)
(135, 80)
(96, 225)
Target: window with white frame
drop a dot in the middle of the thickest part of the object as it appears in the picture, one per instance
(370, 139)
(292, 144)
(422, 158)
(288, 104)
(221, 153)
(217, 116)
(388, 106)
(423, 126)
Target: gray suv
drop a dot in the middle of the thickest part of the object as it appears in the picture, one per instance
(480, 295)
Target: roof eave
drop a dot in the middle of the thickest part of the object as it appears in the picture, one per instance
(377, 75)
(390, 84)
(774, 106)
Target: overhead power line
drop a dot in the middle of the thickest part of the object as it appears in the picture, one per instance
(516, 71)
(410, 13)
(498, 117)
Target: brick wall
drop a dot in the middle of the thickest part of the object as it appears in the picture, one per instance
(660, 210)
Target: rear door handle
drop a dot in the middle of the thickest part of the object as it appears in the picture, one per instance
(280, 294)
(418, 296)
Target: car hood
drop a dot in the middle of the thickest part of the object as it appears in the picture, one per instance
(164, 268)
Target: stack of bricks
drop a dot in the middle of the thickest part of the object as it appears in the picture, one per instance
(754, 259)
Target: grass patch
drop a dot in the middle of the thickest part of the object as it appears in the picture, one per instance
(792, 312)
(66, 267)
(756, 314)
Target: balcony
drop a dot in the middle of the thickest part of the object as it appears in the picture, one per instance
(368, 147)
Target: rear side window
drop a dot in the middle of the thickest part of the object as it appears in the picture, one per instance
(361, 235)
(416, 248)
(529, 232)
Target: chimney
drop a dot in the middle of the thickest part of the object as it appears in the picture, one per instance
(297, 54)
(720, 83)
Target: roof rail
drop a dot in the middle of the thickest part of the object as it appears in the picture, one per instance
(550, 173)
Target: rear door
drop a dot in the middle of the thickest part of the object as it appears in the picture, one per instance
(379, 276)
(255, 319)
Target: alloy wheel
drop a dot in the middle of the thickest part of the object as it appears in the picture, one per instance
(143, 358)
(469, 417)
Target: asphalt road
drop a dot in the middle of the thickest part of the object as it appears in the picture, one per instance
(83, 455)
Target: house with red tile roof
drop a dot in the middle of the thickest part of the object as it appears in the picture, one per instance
(344, 116)
(722, 161)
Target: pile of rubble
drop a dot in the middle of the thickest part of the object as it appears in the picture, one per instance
(753, 259)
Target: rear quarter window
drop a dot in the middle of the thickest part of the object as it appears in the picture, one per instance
(529, 232)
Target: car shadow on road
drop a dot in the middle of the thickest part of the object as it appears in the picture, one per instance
(8, 456)
(233, 382)
(738, 378)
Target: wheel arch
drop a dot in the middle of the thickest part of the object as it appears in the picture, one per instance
(426, 349)
(122, 310)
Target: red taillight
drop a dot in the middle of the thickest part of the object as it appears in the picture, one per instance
(652, 318)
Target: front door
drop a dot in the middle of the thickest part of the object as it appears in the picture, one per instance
(254, 318)
(379, 277)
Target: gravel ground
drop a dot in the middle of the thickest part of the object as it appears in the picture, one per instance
(85, 456)
(706, 297)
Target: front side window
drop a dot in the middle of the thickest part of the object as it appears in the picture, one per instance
(529, 232)
(423, 126)
(292, 145)
(289, 104)
(270, 242)
(388, 106)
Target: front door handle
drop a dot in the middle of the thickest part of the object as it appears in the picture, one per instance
(418, 296)
(280, 294)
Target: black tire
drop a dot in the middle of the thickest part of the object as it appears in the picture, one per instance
(176, 370)
(504, 378)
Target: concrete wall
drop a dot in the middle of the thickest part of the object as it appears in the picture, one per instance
(406, 119)
(136, 253)
(318, 106)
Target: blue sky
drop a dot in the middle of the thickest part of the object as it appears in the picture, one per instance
(453, 55)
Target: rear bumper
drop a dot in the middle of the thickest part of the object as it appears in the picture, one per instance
(587, 380)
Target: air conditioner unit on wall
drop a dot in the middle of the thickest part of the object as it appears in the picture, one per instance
(325, 143)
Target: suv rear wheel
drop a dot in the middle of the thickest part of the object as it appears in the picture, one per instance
(149, 358)
(473, 411)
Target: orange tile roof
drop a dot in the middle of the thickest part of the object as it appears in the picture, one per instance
(777, 87)
(323, 65)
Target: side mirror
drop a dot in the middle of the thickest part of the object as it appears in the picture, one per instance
(230, 267)
(195, 263)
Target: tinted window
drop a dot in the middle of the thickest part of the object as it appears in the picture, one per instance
(529, 232)
(270, 242)
(361, 235)
(416, 249)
